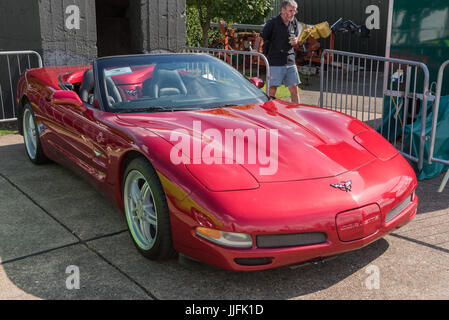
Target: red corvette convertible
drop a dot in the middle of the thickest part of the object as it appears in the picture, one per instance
(203, 163)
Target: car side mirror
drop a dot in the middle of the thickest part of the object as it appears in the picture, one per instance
(71, 98)
(259, 83)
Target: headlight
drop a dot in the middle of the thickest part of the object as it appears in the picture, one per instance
(227, 239)
(376, 145)
(223, 177)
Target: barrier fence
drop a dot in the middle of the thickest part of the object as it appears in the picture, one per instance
(435, 112)
(12, 65)
(386, 93)
(250, 64)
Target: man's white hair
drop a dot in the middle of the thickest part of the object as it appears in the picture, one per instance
(289, 3)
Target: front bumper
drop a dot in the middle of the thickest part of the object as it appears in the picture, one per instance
(241, 259)
(296, 207)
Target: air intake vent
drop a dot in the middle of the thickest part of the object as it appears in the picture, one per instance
(398, 209)
(252, 261)
(290, 240)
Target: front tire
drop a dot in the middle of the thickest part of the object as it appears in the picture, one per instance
(146, 211)
(31, 137)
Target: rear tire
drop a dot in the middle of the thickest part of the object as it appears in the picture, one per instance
(146, 211)
(31, 137)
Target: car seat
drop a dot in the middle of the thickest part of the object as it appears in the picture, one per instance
(87, 86)
(164, 83)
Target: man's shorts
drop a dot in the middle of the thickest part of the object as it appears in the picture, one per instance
(284, 74)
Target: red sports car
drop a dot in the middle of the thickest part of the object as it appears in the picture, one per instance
(203, 163)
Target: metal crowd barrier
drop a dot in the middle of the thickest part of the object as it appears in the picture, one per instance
(250, 64)
(12, 64)
(436, 108)
(386, 93)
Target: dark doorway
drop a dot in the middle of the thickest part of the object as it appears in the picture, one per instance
(113, 27)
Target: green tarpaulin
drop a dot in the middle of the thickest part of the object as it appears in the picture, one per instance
(391, 129)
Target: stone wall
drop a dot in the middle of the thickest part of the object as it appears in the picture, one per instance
(65, 32)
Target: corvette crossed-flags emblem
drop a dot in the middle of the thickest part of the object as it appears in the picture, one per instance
(344, 186)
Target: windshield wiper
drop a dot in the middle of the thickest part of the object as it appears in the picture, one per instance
(154, 109)
(225, 105)
(147, 109)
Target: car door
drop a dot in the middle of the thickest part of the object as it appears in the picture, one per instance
(90, 140)
(58, 129)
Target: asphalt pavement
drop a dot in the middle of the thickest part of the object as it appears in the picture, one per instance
(60, 239)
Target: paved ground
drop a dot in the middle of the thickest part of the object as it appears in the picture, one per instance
(50, 219)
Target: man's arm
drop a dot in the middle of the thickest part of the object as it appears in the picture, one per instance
(298, 31)
(266, 35)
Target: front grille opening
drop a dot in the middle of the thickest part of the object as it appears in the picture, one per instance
(290, 240)
(252, 261)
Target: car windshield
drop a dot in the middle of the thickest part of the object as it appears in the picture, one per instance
(172, 82)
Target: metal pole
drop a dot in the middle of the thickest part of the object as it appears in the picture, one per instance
(322, 79)
(388, 42)
(423, 118)
(407, 91)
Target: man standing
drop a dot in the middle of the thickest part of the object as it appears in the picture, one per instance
(280, 35)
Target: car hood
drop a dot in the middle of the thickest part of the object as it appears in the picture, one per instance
(301, 142)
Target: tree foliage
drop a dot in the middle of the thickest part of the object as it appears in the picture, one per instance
(231, 11)
(194, 33)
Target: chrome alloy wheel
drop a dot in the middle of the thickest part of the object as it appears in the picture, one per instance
(140, 210)
(30, 133)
